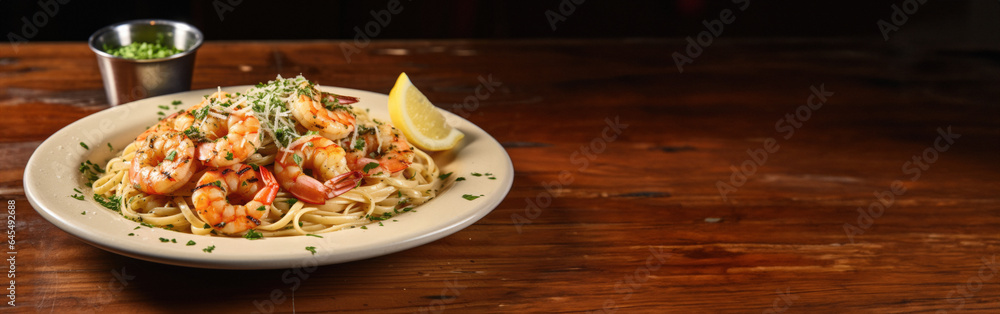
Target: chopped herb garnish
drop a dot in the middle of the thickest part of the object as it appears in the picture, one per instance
(476, 174)
(359, 144)
(164, 240)
(380, 224)
(77, 196)
(229, 156)
(369, 166)
(206, 226)
(261, 208)
(488, 174)
(311, 249)
(84, 145)
(445, 176)
(459, 179)
(171, 155)
(291, 201)
(112, 203)
(173, 240)
(471, 197)
(209, 249)
(110, 148)
(176, 102)
(253, 235)
(492, 178)
(297, 159)
(131, 234)
(363, 227)
(83, 213)
(314, 235)
(190, 243)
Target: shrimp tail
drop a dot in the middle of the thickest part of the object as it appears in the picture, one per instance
(270, 191)
(342, 183)
(308, 190)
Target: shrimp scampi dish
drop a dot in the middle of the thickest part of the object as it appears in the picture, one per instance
(283, 158)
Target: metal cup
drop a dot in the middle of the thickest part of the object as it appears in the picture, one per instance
(128, 80)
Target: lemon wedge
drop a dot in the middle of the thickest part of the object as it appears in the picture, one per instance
(418, 119)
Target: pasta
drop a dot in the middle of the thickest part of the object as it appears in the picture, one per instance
(281, 159)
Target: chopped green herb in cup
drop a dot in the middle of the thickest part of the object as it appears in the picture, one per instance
(139, 51)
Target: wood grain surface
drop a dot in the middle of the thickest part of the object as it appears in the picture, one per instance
(734, 186)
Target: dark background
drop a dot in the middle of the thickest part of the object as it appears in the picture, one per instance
(950, 20)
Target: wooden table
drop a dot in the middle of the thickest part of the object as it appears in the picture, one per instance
(769, 176)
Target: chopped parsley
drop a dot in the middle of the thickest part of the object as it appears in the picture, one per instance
(229, 156)
(173, 240)
(363, 227)
(131, 234)
(459, 179)
(359, 144)
(471, 197)
(311, 249)
(176, 103)
(253, 235)
(380, 224)
(190, 243)
(209, 249)
(110, 148)
(314, 235)
(369, 166)
(78, 196)
(164, 240)
(445, 176)
(171, 155)
(83, 213)
(476, 174)
(261, 208)
(112, 203)
(84, 145)
(291, 201)
(297, 159)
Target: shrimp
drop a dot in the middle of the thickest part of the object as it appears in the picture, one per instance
(163, 163)
(166, 125)
(386, 148)
(331, 176)
(325, 115)
(241, 140)
(219, 188)
(225, 141)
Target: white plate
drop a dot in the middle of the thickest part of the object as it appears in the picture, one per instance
(52, 174)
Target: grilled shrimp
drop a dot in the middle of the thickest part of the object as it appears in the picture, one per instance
(163, 163)
(331, 176)
(387, 148)
(234, 199)
(323, 112)
(225, 141)
(241, 140)
(166, 125)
